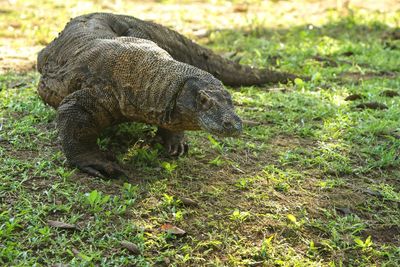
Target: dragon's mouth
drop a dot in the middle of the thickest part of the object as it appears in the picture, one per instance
(218, 129)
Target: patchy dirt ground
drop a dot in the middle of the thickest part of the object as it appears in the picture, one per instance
(313, 181)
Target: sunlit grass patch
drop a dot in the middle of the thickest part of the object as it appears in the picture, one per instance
(313, 180)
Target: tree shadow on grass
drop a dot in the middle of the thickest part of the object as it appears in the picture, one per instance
(301, 43)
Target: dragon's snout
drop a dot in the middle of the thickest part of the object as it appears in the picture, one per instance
(227, 125)
(232, 126)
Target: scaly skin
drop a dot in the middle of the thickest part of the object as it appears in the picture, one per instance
(105, 69)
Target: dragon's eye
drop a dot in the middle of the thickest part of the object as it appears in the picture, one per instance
(203, 99)
(205, 102)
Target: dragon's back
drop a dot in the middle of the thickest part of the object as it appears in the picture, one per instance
(64, 63)
(98, 50)
(75, 37)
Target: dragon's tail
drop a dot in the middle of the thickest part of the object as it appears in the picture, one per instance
(229, 72)
(184, 50)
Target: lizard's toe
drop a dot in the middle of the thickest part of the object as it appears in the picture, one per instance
(178, 149)
(184, 149)
(92, 171)
(102, 168)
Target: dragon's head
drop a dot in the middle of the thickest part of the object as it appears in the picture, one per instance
(209, 106)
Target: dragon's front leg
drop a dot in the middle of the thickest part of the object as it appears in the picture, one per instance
(174, 142)
(81, 118)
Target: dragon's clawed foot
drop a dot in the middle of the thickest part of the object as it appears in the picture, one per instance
(174, 142)
(177, 149)
(99, 165)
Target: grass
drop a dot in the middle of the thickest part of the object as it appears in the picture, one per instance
(314, 182)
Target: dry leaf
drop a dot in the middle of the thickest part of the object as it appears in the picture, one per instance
(251, 123)
(240, 8)
(343, 210)
(353, 97)
(327, 61)
(172, 229)
(133, 248)
(372, 105)
(372, 192)
(61, 225)
(202, 33)
(389, 93)
(188, 202)
(17, 84)
(347, 54)
(75, 252)
(167, 261)
(230, 54)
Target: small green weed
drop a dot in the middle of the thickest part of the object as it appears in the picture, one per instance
(239, 216)
(218, 161)
(215, 144)
(96, 200)
(169, 167)
(364, 245)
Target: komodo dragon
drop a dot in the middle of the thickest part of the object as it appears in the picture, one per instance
(104, 69)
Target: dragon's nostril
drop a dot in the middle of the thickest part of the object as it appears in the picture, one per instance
(227, 124)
